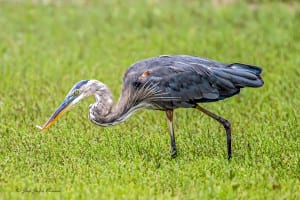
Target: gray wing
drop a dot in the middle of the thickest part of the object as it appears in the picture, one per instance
(184, 81)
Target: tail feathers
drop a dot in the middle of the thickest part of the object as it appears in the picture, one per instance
(238, 75)
(250, 68)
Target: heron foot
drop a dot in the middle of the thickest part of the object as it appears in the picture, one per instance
(174, 154)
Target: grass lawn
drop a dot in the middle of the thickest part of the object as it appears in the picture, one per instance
(46, 48)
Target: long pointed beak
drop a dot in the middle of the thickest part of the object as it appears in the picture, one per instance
(64, 107)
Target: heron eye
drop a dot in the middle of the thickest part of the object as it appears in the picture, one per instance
(76, 92)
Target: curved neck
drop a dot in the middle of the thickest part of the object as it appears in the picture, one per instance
(102, 111)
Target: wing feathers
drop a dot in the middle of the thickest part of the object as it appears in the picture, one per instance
(183, 81)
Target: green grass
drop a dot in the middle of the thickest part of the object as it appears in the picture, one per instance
(46, 48)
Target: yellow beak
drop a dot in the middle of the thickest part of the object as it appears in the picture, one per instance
(64, 107)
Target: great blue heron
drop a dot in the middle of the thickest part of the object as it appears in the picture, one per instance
(164, 83)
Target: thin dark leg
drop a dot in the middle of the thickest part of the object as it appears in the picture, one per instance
(172, 136)
(226, 125)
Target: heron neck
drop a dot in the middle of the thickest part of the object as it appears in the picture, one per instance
(102, 111)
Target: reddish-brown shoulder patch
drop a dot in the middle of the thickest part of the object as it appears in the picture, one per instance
(145, 74)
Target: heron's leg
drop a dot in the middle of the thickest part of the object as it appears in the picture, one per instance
(171, 131)
(226, 125)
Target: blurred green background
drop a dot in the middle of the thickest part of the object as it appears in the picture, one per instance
(47, 46)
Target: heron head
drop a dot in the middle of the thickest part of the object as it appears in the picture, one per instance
(79, 91)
